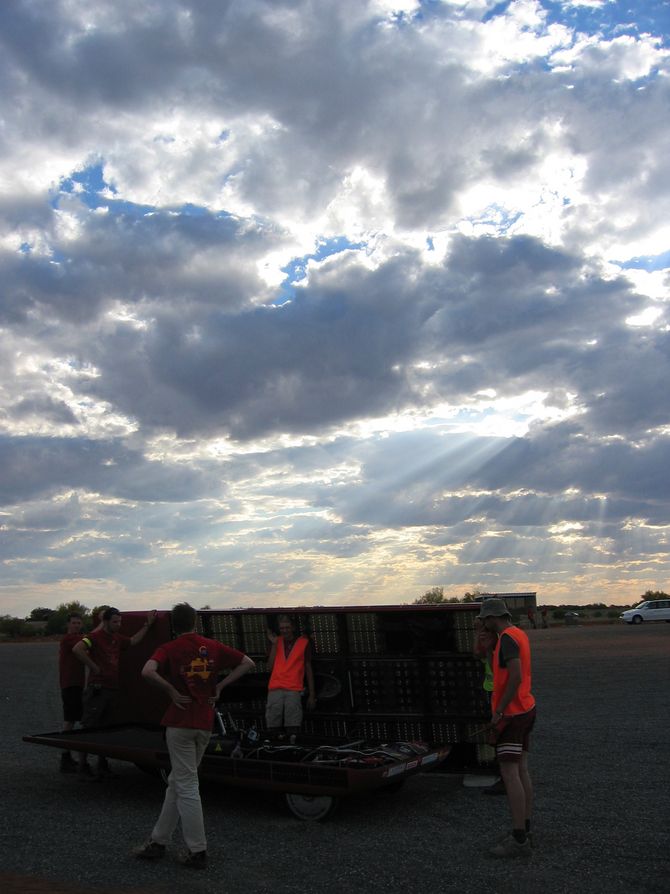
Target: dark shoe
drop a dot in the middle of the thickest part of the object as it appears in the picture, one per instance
(194, 861)
(67, 765)
(510, 847)
(84, 771)
(498, 788)
(150, 850)
(529, 838)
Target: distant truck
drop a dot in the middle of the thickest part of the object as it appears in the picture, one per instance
(398, 691)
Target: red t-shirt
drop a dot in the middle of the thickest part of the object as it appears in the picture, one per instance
(105, 649)
(192, 663)
(71, 671)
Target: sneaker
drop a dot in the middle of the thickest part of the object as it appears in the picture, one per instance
(67, 764)
(529, 837)
(510, 847)
(150, 850)
(84, 771)
(498, 788)
(197, 860)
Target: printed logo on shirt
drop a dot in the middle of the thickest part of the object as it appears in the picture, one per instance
(199, 667)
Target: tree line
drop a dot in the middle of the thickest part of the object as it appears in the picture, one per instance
(55, 619)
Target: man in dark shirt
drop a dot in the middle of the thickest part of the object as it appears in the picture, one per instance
(187, 669)
(101, 651)
(72, 674)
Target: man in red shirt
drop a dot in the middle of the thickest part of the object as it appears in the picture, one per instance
(513, 717)
(290, 664)
(72, 675)
(101, 651)
(187, 669)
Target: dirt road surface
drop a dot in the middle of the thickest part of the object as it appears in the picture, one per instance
(600, 762)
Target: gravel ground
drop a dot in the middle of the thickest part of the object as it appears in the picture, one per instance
(600, 763)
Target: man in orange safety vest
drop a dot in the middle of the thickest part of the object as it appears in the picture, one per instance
(512, 717)
(290, 666)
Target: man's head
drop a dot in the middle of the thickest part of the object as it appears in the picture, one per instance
(494, 614)
(286, 627)
(184, 618)
(111, 620)
(74, 623)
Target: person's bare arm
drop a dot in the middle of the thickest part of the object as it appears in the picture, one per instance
(142, 632)
(274, 639)
(81, 651)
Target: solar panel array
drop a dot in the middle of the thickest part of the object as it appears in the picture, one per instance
(397, 675)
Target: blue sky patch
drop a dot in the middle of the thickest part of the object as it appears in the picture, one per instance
(648, 262)
(296, 269)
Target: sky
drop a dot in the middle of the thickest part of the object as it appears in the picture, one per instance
(326, 303)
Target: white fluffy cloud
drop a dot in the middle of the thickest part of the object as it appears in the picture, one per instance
(321, 300)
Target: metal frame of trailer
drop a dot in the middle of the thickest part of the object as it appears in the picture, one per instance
(312, 787)
(387, 678)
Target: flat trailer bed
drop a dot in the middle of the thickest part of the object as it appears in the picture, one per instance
(311, 773)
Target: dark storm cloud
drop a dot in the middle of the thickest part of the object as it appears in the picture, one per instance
(44, 407)
(38, 467)
(503, 314)
(130, 257)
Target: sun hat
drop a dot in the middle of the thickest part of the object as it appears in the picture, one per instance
(493, 608)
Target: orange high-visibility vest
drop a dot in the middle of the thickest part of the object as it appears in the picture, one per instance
(288, 672)
(523, 699)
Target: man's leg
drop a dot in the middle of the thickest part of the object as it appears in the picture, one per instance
(292, 712)
(527, 784)
(89, 717)
(274, 709)
(71, 697)
(182, 800)
(104, 704)
(169, 815)
(512, 753)
(516, 795)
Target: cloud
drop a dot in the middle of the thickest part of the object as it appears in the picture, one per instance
(303, 298)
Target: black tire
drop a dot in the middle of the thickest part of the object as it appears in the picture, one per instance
(310, 808)
(393, 787)
(637, 619)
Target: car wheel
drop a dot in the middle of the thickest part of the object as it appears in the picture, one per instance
(637, 619)
(312, 808)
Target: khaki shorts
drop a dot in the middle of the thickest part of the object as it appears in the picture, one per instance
(283, 708)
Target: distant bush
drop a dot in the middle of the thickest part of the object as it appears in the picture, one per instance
(613, 613)
(597, 614)
(558, 615)
(15, 627)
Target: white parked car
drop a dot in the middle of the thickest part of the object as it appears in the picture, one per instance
(656, 610)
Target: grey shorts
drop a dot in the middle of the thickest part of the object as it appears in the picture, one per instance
(283, 708)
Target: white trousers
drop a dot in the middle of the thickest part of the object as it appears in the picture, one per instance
(182, 796)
